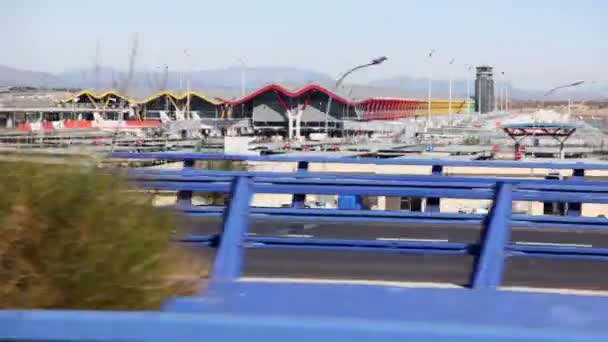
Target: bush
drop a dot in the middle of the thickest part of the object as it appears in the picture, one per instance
(72, 238)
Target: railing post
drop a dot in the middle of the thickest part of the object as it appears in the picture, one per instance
(299, 199)
(184, 198)
(574, 208)
(491, 259)
(553, 208)
(433, 204)
(228, 262)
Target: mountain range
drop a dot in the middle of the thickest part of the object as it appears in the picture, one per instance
(228, 81)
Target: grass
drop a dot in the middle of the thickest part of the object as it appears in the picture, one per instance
(72, 238)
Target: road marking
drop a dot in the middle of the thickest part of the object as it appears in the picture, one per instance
(404, 284)
(252, 233)
(552, 244)
(555, 290)
(412, 240)
(299, 235)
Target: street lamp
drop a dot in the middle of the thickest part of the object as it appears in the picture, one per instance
(469, 68)
(450, 92)
(570, 85)
(243, 82)
(188, 60)
(506, 94)
(430, 90)
(375, 61)
(501, 92)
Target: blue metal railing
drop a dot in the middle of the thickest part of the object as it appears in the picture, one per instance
(437, 168)
(234, 308)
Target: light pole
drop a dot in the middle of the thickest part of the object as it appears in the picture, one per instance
(568, 86)
(375, 61)
(506, 98)
(243, 82)
(189, 71)
(469, 68)
(450, 93)
(501, 94)
(430, 91)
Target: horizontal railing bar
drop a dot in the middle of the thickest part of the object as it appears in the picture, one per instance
(588, 257)
(513, 250)
(558, 219)
(360, 249)
(372, 191)
(556, 196)
(399, 161)
(397, 191)
(189, 174)
(558, 250)
(185, 186)
(398, 214)
(333, 215)
(355, 243)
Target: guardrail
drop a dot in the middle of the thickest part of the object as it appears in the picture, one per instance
(437, 169)
(236, 308)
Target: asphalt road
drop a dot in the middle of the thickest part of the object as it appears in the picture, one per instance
(379, 266)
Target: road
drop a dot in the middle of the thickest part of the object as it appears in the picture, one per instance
(381, 266)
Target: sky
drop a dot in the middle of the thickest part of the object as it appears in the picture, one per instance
(536, 43)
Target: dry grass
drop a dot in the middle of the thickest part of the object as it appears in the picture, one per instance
(72, 238)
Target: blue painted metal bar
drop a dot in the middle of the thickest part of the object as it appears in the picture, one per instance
(394, 180)
(575, 208)
(373, 191)
(558, 250)
(363, 249)
(299, 199)
(228, 262)
(522, 220)
(186, 186)
(298, 242)
(559, 196)
(490, 262)
(376, 161)
(405, 247)
(518, 195)
(433, 204)
(340, 214)
(71, 326)
(159, 174)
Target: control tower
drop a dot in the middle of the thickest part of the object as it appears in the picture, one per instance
(484, 89)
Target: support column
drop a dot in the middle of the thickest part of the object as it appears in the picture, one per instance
(298, 118)
(433, 204)
(575, 209)
(299, 199)
(290, 119)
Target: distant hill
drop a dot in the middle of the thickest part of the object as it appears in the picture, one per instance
(16, 77)
(106, 78)
(226, 82)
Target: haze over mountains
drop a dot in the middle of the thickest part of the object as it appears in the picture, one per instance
(228, 80)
